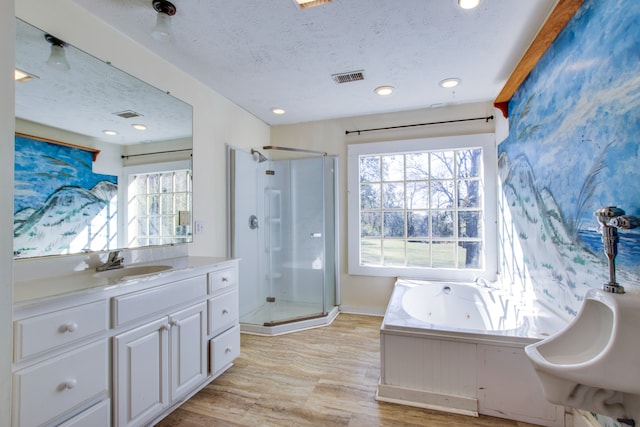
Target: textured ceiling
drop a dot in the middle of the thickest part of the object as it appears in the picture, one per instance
(262, 54)
(83, 100)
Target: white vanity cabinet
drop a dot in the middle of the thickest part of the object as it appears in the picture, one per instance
(161, 359)
(224, 314)
(61, 355)
(124, 355)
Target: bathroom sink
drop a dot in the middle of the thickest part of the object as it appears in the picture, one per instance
(132, 272)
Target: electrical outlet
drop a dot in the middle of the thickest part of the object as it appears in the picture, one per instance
(198, 227)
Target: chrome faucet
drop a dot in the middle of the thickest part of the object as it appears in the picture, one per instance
(612, 218)
(114, 260)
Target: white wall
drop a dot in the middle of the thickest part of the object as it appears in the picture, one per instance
(7, 37)
(364, 293)
(216, 120)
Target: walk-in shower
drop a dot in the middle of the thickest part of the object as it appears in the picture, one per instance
(283, 227)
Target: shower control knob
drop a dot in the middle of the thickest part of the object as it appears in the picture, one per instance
(253, 222)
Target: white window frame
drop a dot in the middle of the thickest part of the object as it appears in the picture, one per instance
(489, 224)
(147, 168)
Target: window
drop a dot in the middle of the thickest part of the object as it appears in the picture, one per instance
(159, 208)
(423, 208)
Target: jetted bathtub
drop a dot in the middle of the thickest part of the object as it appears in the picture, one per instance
(459, 347)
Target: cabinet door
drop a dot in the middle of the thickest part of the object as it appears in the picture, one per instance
(188, 349)
(141, 372)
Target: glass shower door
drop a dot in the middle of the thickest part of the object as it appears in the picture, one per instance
(295, 243)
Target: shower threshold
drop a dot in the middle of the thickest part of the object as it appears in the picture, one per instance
(295, 319)
(290, 325)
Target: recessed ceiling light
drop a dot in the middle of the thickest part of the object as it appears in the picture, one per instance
(384, 90)
(139, 126)
(468, 4)
(278, 111)
(305, 4)
(450, 82)
(22, 76)
(109, 132)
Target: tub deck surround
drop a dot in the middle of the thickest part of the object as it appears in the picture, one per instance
(526, 323)
(462, 351)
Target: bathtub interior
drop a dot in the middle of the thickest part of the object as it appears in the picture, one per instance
(467, 307)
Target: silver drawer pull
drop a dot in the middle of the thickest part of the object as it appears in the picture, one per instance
(175, 323)
(225, 279)
(69, 384)
(227, 350)
(225, 311)
(165, 327)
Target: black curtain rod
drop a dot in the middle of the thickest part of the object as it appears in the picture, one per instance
(347, 132)
(157, 152)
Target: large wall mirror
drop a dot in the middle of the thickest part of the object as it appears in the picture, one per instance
(103, 160)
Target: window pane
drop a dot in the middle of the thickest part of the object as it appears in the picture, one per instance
(140, 184)
(469, 193)
(417, 224)
(181, 202)
(469, 224)
(418, 253)
(167, 182)
(154, 183)
(444, 255)
(393, 167)
(469, 163)
(393, 224)
(393, 196)
(370, 224)
(371, 252)
(442, 195)
(168, 226)
(182, 181)
(417, 166)
(370, 196)
(442, 224)
(393, 252)
(471, 254)
(370, 169)
(417, 195)
(442, 164)
(167, 204)
(154, 204)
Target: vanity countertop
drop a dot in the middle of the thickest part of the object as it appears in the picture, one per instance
(89, 281)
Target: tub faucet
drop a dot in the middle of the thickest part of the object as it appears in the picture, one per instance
(114, 260)
(612, 218)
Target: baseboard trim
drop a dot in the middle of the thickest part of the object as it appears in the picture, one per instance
(365, 311)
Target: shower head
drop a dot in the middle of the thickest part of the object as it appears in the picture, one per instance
(258, 156)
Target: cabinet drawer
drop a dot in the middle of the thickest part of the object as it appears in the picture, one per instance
(222, 278)
(224, 348)
(157, 300)
(97, 416)
(49, 389)
(48, 331)
(223, 312)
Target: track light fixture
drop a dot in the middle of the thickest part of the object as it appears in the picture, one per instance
(162, 30)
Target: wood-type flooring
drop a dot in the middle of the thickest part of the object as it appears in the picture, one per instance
(318, 377)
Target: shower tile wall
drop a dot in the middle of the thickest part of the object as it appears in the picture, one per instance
(573, 147)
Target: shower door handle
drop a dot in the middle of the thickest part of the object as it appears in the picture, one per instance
(315, 235)
(253, 222)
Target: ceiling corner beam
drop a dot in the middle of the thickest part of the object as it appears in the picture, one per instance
(556, 21)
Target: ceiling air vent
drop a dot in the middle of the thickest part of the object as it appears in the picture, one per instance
(128, 114)
(350, 76)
